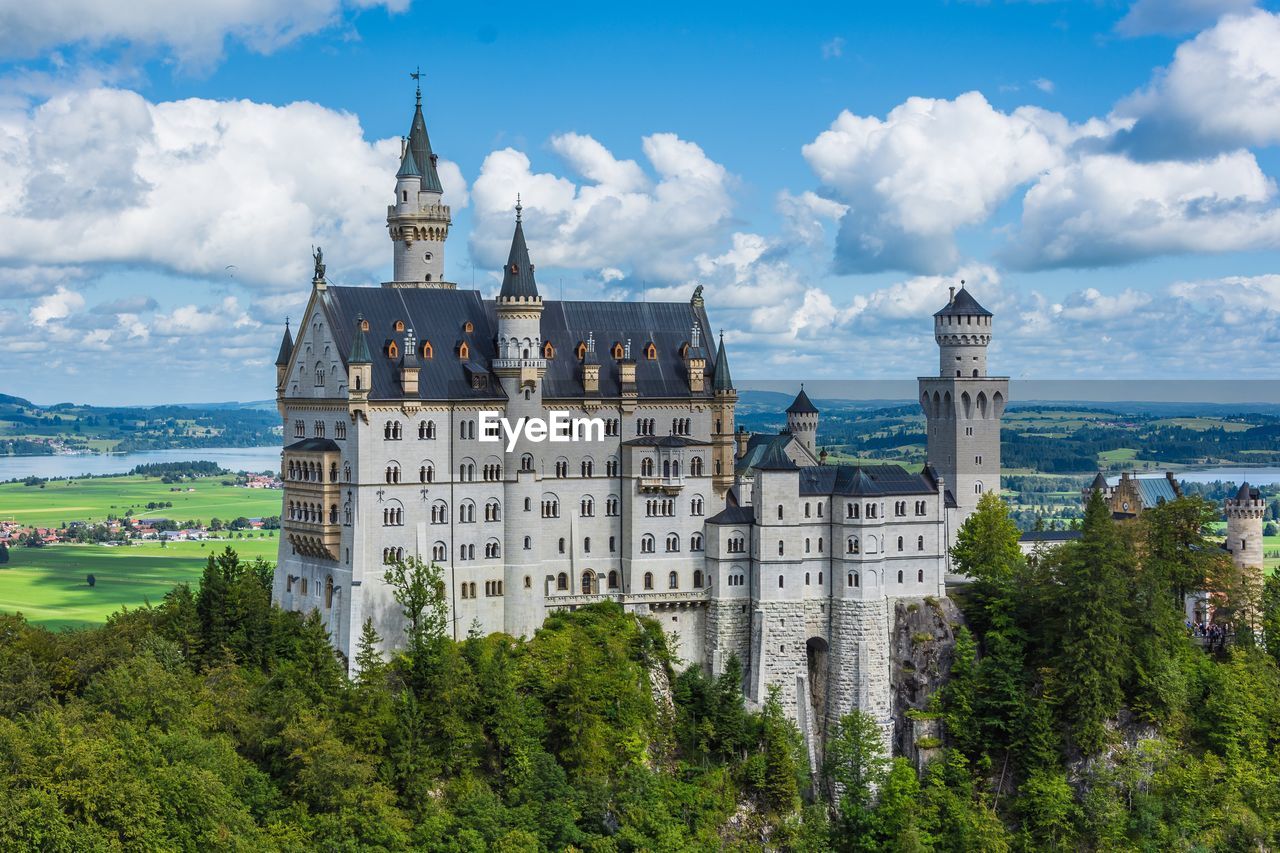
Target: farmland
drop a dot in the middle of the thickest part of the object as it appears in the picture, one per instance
(91, 500)
(48, 585)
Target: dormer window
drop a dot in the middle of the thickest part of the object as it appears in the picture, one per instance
(426, 349)
(684, 350)
(468, 327)
(581, 350)
(515, 269)
(399, 325)
(392, 349)
(364, 325)
(548, 351)
(464, 351)
(617, 350)
(651, 351)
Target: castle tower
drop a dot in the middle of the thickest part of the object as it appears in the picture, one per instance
(963, 405)
(418, 222)
(1244, 531)
(520, 366)
(802, 421)
(282, 358)
(724, 399)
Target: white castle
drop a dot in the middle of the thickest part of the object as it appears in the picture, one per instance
(746, 545)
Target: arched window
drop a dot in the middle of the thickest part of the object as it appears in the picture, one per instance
(617, 350)
(548, 351)
(853, 546)
(673, 580)
(647, 543)
(899, 575)
(613, 580)
(697, 578)
(648, 580)
(464, 351)
(328, 592)
(588, 582)
(780, 548)
(900, 543)
(853, 579)
(919, 543)
(562, 581)
(919, 575)
(651, 352)
(528, 543)
(780, 581)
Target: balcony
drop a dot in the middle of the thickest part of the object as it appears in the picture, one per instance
(664, 485)
(519, 364)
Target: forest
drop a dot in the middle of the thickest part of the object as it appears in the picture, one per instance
(1079, 715)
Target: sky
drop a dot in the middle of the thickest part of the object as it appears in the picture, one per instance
(1102, 175)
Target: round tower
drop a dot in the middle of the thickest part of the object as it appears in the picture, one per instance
(962, 330)
(418, 222)
(520, 366)
(802, 421)
(1244, 528)
(963, 406)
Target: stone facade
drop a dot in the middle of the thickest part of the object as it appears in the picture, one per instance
(740, 546)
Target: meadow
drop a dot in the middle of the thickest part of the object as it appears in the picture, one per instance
(48, 585)
(57, 502)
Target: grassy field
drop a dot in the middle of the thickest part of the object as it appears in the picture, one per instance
(94, 499)
(48, 584)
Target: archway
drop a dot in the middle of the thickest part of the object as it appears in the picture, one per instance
(817, 652)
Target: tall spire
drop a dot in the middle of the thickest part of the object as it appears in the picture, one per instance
(517, 276)
(286, 347)
(359, 346)
(722, 381)
(420, 146)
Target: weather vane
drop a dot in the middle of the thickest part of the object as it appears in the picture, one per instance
(416, 75)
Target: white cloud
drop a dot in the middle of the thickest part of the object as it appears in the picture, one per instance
(197, 320)
(195, 33)
(618, 217)
(929, 168)
(1175, 17)
(1106, 209)
(1222, 91)
(1043, 84)
(1092, 305)
(56, 306)
(833, 48)
(193, 186)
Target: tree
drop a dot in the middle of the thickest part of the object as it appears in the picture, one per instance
(92, 581)
(987, 550)
(418, 587)
(1092, 601)
(856, 768)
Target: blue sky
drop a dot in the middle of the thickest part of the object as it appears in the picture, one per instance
(1102, 173)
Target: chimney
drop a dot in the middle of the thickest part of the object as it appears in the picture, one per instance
(627, 370)
(409, 366)
(590, 367)
(697, 362)
(741, 437)
(952, 300)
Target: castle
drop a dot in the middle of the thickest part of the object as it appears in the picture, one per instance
(740, 545)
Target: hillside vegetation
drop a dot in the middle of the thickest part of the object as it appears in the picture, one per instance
(1079, 716)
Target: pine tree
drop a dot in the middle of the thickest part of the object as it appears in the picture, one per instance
(369, 662)
(856, 768)
(1093, 655)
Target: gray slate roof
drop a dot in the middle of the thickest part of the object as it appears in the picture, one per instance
(802, 405)
(722, 381)
(1152, 490)
(733, 515)
(865, 480)
(517, 275)
(439, 316)
(313, 445)
(964, 305)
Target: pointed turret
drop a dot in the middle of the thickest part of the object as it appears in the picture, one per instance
(359, 346)
(1099, 483)
(420, 149)
(517, 276)
(408, 166)
(802, 405)
(722, 381)
(286, 347)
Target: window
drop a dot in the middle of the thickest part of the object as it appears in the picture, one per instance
(977, 488)
(853, 579)
(779, 512)
(899, 543)
(528, 543)
(299, 429)
(807, 545)
(651, 352)
(919, 543)
(780, 581)
(673, 580)
(648, 581)
(393, 473)
(340, 429)
(853, 546)
(426, 474)
(806, 578)
(526, 462)
(695, 542)
(806, 509)
(647, 544)
(548, 351)
(427, 430)
(781, 548)
(561, 544)
(899, 575)
(613, 580)
(588, 578)
(562, 582)
(586, 545)
(697, 578)
(673, 542)
(919, 575)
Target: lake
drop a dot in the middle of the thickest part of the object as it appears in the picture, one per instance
(62, 467)
(1237, 475)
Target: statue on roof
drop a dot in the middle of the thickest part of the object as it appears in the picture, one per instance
(318, 256)
(696, 301)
